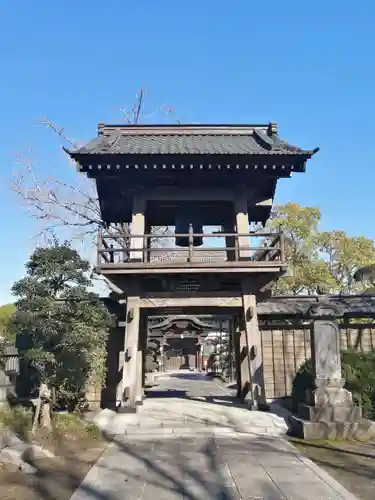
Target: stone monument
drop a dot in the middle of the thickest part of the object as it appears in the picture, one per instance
(332, 413)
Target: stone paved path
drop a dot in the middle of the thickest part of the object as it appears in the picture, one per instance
(197, 445)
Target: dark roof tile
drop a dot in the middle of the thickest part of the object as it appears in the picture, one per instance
(301, 305)
(201, 140)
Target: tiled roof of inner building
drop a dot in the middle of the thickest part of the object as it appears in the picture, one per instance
(200, 140)
(355, 305)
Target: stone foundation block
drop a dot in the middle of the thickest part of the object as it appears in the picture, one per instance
(363, 430)
(126, 409)
(331, 413)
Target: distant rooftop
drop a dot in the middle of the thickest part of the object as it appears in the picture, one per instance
(189, 140)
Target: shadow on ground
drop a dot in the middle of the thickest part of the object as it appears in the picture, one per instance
(162, 469)
(351, 463)
(230, 401)
(169, 468)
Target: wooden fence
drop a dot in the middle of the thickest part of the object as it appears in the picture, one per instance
(285, 348)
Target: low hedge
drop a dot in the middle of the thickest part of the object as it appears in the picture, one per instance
(358, 370)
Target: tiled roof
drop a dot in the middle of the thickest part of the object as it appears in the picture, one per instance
(349, 304)
(191, 140)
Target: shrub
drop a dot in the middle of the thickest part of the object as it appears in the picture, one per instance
(17, 419)
(358, 370)
(303, 383)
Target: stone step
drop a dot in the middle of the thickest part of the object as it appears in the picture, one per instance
(152, 433)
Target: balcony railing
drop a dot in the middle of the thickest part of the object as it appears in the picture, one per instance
(219, 250)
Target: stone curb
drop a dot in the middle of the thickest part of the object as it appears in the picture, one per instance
(92, 476)
(155, 434)
(323, 475)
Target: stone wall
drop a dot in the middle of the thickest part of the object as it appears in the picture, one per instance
(286, 348)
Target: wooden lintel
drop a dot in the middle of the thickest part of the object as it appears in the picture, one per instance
(188, 301)
(172, 194)
(186, 269)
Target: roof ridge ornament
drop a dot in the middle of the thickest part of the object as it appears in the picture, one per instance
(101, 126)
(272, 129)
(265, 140)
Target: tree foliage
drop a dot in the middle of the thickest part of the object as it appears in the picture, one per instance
(359, 373)
(61, 327)
(366, 275)
(6, 313)
(320, 262)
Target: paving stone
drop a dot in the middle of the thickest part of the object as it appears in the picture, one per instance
(299, 490)
(152, 492)
(302, 474)
(280, 461)
(201, 449)
(259, 487)
(210, 490)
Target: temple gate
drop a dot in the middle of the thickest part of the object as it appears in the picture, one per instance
(189, 177)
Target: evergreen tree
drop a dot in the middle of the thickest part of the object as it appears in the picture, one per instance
(61, 327)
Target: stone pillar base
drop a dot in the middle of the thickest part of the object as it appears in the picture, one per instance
(333, 416)
(331, 422)
(331, 413)
(362, 430)
(124, 408)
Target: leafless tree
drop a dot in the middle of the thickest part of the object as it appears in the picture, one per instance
(71, 210)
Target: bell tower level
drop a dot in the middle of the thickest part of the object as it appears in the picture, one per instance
(177, 204)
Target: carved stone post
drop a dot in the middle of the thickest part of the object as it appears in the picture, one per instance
(326, 359)
(332, 414)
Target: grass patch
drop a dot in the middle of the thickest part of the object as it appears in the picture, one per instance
(64, 425)
(17, 419)
(317, 442)
(71, 424)
(351, 463)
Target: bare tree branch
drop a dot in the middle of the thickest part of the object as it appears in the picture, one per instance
(58, 131)
(58, 205)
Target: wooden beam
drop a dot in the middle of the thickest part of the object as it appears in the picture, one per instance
(199, 300)
(197, 267)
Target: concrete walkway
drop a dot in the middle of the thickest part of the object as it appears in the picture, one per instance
(191, 441)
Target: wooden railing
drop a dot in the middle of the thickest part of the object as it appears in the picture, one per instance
(150, 249)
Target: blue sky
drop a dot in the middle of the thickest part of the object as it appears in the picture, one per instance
(307, 65)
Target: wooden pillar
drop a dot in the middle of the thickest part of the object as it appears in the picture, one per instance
(237, 353)
(230, 241)
(231, 348)
(252, 370)
(121, 368)
(138, 227)
(198, 361)
(162, 357)
(130, 374)
(242, 222)
(139, 382)
(141, 355)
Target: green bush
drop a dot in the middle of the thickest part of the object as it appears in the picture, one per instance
(358, 370)
(303, 384)
(17, 419)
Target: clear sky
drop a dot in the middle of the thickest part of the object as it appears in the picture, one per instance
(309, 66)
